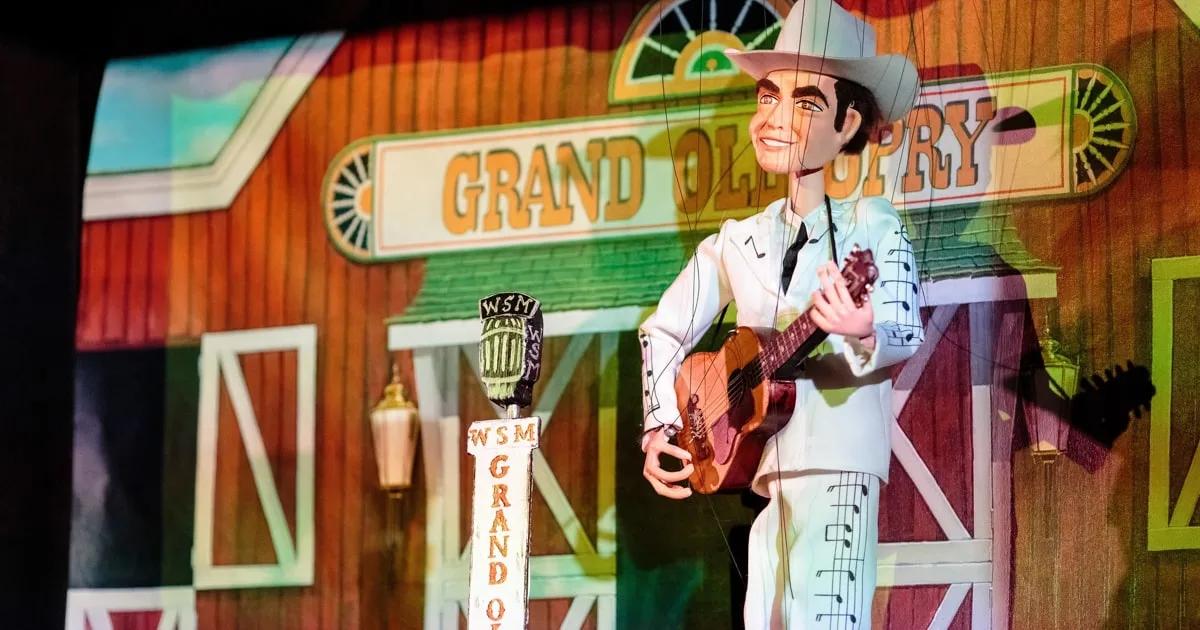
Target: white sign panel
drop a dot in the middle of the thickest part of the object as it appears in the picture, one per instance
(500, 507)
(968, 141)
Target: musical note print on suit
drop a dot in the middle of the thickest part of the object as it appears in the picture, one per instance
(841, 582)
(902, 283)
(752, 244)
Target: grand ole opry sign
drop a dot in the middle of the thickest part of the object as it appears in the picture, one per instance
(1045, 133)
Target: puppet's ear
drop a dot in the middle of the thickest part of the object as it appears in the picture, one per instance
(850, 125)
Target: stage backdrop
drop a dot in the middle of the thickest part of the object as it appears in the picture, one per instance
(270, 226)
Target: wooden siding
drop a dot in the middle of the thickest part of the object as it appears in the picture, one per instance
(1080, 561)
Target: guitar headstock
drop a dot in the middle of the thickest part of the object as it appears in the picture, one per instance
(1119, 392)
(860, 274)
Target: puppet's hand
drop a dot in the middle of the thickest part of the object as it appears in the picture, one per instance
(834, 311)
(664, 481)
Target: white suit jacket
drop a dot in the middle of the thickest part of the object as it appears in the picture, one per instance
(844, 400)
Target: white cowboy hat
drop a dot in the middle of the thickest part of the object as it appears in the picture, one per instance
(820, 36)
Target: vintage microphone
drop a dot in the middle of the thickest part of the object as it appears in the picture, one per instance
(510, 362)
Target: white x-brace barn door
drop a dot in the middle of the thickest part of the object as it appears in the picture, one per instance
(964, 562)
(588, 574)
(220, 366)
(93, 608)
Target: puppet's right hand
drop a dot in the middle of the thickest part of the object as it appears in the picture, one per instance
(663, 481)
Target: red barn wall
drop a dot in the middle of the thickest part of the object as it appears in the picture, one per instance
(266, 261)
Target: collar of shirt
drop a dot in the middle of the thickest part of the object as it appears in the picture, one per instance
(782, 218)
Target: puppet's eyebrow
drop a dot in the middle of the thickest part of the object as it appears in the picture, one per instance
(768, 85)
(810, 90)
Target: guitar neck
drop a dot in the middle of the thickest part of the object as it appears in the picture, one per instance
(802, 336)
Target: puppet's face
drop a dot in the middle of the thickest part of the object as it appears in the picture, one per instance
(793, 127)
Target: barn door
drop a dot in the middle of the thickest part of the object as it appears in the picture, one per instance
(572, 562)
(165, 608)
(936, 514)
(257, 419)
(1173, 520)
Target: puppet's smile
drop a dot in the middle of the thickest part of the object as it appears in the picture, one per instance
(775, 144)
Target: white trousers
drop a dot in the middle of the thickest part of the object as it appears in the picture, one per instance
(812, 553)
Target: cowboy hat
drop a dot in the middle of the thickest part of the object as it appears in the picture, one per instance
(820, 36)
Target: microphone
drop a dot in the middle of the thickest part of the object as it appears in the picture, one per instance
(510, 362)
(510, 349)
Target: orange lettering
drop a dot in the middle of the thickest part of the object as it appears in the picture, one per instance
(502, 162)
(730, 196)
(571, 171)
(694, 190)
(500, 495)
(499, 524)
(840, 188)
(478, 436)
(460, 220)
(627, 150)
(494, 545)
(499, 612)
(543, 197)
(525, 433)
(926, 117)
(497, 573)
(771, 186)
(956, 117)
(496, 468)
(874, 184)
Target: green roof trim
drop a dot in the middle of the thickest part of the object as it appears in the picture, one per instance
(963, 242)
(969, 242)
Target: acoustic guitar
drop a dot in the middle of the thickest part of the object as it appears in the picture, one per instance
(730, 400)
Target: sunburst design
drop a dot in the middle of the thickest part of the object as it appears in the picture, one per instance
(348, 202)
(676, 47)
(1102, 129)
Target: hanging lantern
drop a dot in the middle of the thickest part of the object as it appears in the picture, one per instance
(394, 424)
(1052, 424)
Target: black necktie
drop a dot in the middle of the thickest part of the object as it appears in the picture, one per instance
(789, 258)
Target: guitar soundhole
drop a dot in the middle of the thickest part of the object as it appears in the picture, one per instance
(735, 393)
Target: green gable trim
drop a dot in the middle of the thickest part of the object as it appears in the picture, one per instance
(970, 242)
(950, 243)
(565, 277)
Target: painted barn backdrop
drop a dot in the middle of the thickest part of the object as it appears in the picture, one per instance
(270, 227)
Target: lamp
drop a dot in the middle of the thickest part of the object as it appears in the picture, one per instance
(1051, 429)
(394, 424)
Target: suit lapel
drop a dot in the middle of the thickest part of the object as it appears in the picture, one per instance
(758, 257)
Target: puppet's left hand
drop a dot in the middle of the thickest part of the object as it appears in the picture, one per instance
(834, 311)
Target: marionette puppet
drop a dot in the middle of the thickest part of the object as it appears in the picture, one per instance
(822, 449)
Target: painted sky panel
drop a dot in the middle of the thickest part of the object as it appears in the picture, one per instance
(177, 110)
